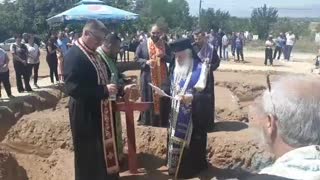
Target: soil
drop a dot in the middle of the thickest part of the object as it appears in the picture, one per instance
(38, 145)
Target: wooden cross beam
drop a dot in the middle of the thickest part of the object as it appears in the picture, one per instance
(129, 107)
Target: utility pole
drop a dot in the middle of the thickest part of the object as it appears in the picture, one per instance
(200, 7)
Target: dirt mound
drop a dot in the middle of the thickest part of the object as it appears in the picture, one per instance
(9, 167)
(241, 95)
(42, 132)
(236, 149)
(58, 166)
(243, 91)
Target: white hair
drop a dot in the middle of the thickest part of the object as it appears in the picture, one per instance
(295, 102)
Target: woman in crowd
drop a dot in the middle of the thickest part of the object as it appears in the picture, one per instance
(33, 59)
(20, 55)
(4, 73)
(52, 59)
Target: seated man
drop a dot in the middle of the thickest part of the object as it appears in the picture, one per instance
(288, 118)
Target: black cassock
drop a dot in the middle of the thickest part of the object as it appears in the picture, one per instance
(194, 158)
(141, 56)
(215, 63)
(81, 85)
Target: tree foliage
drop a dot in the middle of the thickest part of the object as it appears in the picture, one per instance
(262, 19)
(298, 27)
(214, 19)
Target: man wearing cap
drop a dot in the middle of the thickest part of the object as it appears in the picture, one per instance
(191, 110)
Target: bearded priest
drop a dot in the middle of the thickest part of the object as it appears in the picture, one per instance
(191, 111)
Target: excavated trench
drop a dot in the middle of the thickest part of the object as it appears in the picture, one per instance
(36, 139)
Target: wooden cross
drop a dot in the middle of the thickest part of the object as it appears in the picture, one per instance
(129, 107)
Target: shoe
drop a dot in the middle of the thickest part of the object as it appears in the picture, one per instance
(21, 91)
(11, 97)
(29, 90)
(36, 85)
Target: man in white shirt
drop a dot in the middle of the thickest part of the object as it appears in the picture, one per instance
(225, 45)
(291, 39)
(269, 51)
(33, 59)
(287, 119)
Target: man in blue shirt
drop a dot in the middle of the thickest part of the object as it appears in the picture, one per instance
(280, 43)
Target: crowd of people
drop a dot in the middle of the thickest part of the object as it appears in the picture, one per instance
(283, 44)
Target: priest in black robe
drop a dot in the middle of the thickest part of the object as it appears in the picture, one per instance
(191, 110)
(91, 117)
(207, 53)
(153, 56)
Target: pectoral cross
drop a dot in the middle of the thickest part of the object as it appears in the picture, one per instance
(129, 107)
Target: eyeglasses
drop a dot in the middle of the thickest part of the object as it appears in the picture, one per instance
(271, 99)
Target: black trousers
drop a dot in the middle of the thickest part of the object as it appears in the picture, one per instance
(35, 68)
(240, 53)
(53, 66)
(278, 51)
(268, 56)
(220, 49)
(22, 71)
(4, 78)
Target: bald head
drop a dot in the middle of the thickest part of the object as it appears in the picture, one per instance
(95, 25)
(294, 103)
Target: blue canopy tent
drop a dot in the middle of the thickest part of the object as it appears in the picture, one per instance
(92, 9)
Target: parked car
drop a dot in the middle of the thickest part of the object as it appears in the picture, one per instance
(7, 43)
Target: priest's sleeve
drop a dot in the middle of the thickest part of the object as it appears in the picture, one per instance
(215, 62)
(139, 56)
(202, 106)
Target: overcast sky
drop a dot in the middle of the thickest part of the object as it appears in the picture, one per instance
(243, 8)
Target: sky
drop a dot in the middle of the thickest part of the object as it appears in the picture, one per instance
(243, 8)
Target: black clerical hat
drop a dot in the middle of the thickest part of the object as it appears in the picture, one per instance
(181, 45)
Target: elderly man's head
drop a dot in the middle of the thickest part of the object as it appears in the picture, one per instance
(93, 34)
(289, 114)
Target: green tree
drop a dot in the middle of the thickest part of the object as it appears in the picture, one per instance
(298, 27)
(214, 19)
(262, 19)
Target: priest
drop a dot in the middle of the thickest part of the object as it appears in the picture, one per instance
(207, 53)
(152, 55)
(191, 111)
(108, 52)
(91, 117)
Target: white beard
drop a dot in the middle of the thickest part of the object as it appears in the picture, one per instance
(182, 71)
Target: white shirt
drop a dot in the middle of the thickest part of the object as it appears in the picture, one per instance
(301, 163)
(291, 39)
(33, 54)
(225, 40)
(269, 44)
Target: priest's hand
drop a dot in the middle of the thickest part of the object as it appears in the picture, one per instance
(112, 89)
(152, 63)
(186, 99)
